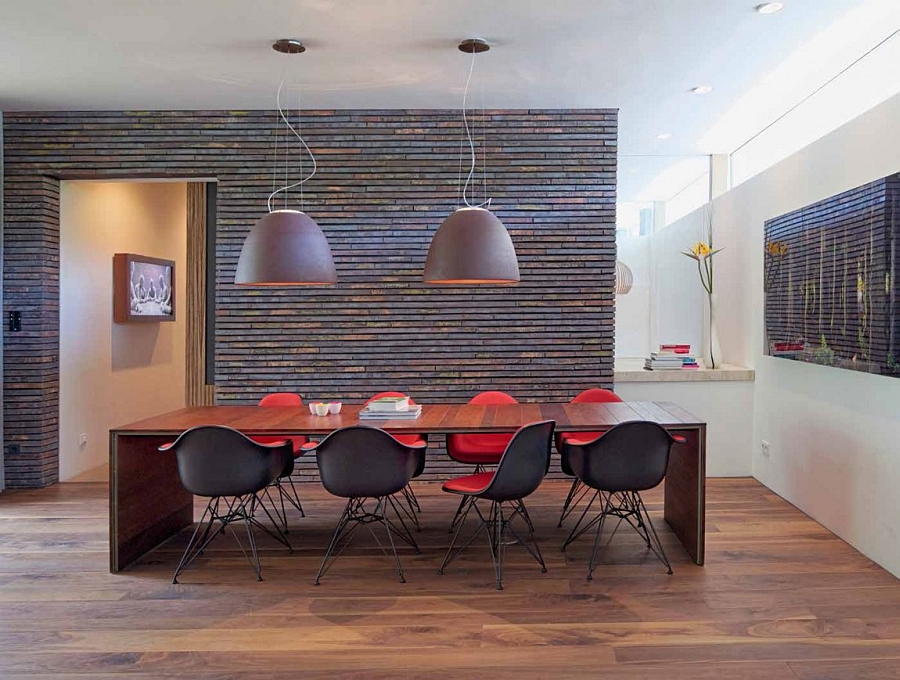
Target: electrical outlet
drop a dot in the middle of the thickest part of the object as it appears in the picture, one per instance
(765, 448)
(82, 439)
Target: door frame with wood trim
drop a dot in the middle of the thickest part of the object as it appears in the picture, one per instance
(198, 383)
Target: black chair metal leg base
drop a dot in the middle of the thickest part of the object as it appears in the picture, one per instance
(499, 527)
(354, 516)
(627, 506)
(576, 494)
(235, 510)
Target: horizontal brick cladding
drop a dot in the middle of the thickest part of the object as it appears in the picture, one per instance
(385, 181)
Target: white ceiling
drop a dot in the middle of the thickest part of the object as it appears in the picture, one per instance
(641, 56)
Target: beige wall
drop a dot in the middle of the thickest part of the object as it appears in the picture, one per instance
(111, 374)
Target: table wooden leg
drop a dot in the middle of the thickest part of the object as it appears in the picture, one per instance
(147, 504)
(685, 491)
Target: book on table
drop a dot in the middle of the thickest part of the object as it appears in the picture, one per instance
(411, 413)
(390, 404)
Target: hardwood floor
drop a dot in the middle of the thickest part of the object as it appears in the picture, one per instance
(780, 597)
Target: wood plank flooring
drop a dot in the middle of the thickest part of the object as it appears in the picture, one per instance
(779, 598)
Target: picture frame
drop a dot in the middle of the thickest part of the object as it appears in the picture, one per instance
(143, 288)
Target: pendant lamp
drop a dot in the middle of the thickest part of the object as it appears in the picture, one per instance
(471, 245)
(286, 247)
(624, 278)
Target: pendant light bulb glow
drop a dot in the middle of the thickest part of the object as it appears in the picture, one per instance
(471, 246)
(286, 247)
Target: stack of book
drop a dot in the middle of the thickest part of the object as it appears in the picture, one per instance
(390, 408)
(671, 358)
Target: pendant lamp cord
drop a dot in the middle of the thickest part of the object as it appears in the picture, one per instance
(287, 122)
(471, 143)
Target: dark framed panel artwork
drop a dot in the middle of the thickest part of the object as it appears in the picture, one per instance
(143, 288)
(830, 281)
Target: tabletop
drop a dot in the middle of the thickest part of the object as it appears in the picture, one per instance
(435, 418)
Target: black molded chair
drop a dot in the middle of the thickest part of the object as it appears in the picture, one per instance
(629, 458)
(365, 464)
(520, 471)
(231, 470)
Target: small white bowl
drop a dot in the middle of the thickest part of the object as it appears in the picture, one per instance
(321, 408)
(334, 407)
(312, 407)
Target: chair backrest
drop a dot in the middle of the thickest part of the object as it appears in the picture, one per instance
(281, 399)
(631, 456)
(362, 461)
(524, 463)
(596, 395)
(219, 461)
(492, 397)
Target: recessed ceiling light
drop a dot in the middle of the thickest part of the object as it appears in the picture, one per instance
(664, 135)
(770, 7)
(702, 89)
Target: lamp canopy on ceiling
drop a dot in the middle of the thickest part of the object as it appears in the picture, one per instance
(471, 246)
(286, 247)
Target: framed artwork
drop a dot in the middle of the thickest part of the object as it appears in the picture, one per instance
(143, 288)
(830, 281)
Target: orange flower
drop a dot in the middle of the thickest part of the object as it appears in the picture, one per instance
(700, 249)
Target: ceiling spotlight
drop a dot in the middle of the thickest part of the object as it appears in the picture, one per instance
(702, 89)
(770, 7)
(664, 135)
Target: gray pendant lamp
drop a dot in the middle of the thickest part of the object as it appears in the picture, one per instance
(286, 247)
(471, 246)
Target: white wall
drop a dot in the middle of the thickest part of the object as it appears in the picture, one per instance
(633, 308)
(833, 433)
(726, 407)
(111, 374)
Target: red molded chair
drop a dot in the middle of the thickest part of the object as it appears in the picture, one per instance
(578, 491)
(278, 399)
(416, 441)
(478, 449)
(481, 449)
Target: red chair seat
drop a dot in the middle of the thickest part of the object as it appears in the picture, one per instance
(568, 437)
(470, 484)
(477, 449)
(296, 442)
(413, 440)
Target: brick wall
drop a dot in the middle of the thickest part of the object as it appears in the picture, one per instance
(386, 180)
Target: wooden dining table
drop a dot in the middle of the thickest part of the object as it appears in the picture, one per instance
(148, 505)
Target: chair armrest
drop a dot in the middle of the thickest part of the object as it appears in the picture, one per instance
(678, 439)
(309, 446)
(166, 447)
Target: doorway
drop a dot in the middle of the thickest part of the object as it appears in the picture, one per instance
(114, 373)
